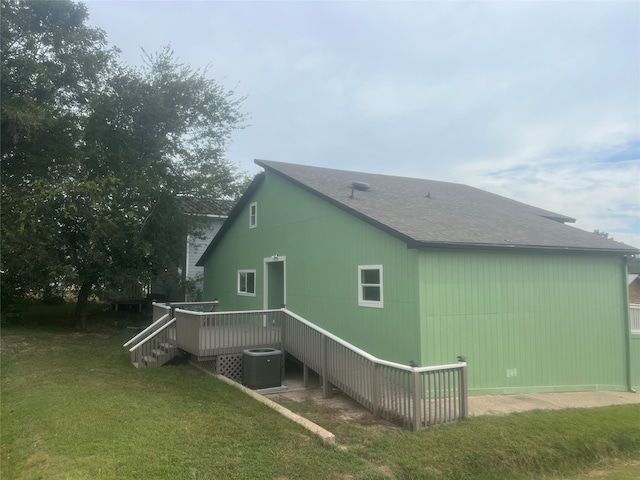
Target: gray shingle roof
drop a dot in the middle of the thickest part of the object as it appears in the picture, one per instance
(205, 206)
(426, 212)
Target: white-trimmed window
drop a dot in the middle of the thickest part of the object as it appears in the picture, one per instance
(370, 286)
(253, 215)
(247, 282)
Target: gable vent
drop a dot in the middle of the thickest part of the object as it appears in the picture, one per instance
(360, 186)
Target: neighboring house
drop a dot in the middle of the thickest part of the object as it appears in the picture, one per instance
(182, 281)
(633, 281)
(421, 271)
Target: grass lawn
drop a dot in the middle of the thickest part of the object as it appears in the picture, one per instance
(74, 408)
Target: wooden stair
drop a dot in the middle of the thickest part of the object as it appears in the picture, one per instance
(155, 350)
(159, 356)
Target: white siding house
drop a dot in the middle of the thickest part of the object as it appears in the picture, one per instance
(196, 245)
(182, 281)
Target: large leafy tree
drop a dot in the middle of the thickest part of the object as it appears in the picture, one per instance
(96, 155)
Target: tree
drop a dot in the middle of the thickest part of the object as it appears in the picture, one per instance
(95, 154)
(50, 61)
(602, 234)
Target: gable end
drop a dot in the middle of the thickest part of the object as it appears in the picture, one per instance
(235, 212)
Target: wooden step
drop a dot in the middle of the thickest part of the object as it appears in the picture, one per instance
(148, 361)
(158, 352)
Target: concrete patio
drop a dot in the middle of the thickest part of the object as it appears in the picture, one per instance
(504, 404)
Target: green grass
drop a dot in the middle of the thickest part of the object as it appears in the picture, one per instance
(74, 408)
(610, 469)
(537, 444)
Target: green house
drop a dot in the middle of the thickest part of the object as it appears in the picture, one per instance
(414, 270)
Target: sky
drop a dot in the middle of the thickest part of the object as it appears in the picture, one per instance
(538, 101)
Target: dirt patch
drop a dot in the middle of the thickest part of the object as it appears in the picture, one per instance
(338, 406)
(618, 465)
(23, 344)
(79, 335)
(14, 344)
(385, 470)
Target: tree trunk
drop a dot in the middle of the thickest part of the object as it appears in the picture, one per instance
(82, 304)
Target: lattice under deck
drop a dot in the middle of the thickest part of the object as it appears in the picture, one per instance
(231, 366)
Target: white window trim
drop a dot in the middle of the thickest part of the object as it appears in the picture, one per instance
(246, 294)
(253, 215)
(368, 303)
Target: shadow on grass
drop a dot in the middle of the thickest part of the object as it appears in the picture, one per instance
(100, 317)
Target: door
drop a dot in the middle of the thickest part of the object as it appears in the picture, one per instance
(275, 288)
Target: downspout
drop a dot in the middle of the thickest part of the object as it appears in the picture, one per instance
(627, 324)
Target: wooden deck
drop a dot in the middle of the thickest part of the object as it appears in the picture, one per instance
(417, 397)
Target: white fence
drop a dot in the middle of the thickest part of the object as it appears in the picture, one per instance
(634, 315)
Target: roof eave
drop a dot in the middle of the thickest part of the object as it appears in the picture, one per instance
(515, 247)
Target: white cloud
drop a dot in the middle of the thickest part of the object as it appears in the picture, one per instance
(604, 197)
(387, 98)
(526, 99)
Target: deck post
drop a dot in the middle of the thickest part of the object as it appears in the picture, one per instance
(464, 394)
(417, 400)
(283, 330)
(327, 391)
(305, 375)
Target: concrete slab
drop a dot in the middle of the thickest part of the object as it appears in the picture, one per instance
(505, 404)
(267, 391)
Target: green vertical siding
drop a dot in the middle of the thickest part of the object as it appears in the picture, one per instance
(323, 247)
(635, 362)
(526, 321)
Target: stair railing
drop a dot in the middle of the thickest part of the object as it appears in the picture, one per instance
(149, 330)
(157, 348)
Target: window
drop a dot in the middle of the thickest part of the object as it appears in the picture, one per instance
(247, 282)
(253, 215)
(370, 286)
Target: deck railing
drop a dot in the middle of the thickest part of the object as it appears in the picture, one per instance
(159, 309)
(634, 315)
(161, 316)
(221, 333)
(195, 306)
(156, 344)
(415, 397)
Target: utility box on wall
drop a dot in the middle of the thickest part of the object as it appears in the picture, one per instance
(261, 368)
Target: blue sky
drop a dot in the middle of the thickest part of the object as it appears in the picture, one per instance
(537, 101)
